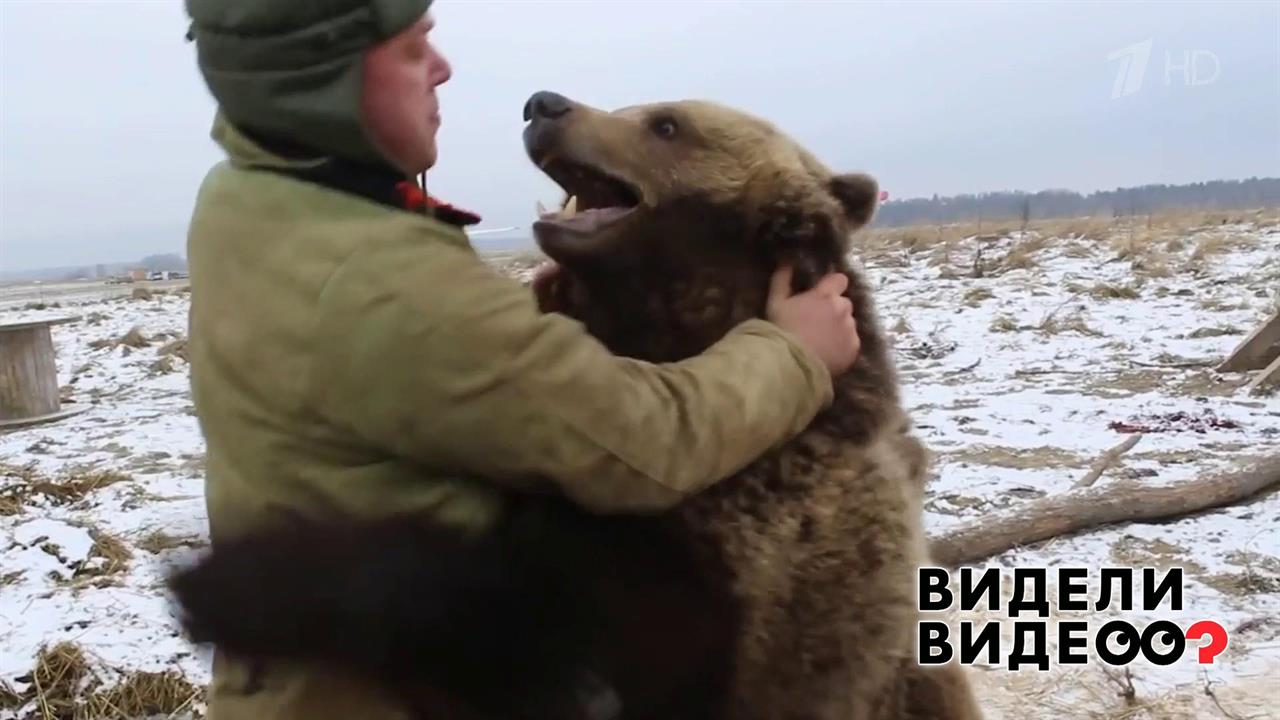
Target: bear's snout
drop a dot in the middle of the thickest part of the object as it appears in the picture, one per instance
(545, 112)
(546, 105)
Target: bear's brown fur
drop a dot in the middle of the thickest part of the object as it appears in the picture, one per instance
(786, 591)
(822, 536)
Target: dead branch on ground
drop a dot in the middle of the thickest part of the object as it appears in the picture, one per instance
(1208, 690)
(1107, 459)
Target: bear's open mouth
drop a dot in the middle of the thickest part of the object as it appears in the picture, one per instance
(595, 198)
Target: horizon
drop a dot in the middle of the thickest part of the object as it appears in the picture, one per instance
(508, 239)
(512, 239)
(102, 150)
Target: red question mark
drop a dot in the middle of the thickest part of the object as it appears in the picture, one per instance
(1217, 639)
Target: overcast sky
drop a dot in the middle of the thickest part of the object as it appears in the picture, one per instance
(104, 121)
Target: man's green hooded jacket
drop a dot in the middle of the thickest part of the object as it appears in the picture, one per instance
(350, 357)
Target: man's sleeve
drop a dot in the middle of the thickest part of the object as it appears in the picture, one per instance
(436, 357)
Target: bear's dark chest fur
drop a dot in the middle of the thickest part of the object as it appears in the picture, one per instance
(773, 552)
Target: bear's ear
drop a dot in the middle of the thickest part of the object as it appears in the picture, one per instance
(858, 194)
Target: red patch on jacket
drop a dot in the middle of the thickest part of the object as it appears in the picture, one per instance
(415, 199)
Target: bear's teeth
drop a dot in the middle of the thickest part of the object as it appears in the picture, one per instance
(542, 209)
(570, 207)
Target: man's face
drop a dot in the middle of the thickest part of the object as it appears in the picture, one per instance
(400, 107)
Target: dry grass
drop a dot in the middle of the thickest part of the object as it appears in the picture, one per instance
(1141, 233)
(913, 238)
(1054, 324)
(159, 541)
(1215, 244)
(64, 686)
(167, 354)
(1154, 264)
(162, 366)
(1022, 255)
(1219, 305)
(1077, 249)
(1134, 245)
(9, 698)
(132, 339)
(1183, 220)
(176, 348)
(1005, 323)
(144, 694)
(1091, 227)
(1105, 291)
(111, 550)
(21, 484)
(975, 296)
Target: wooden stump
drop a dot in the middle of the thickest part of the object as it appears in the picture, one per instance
(1259, 351)
(29, 374)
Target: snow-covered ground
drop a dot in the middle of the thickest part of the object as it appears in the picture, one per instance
(1014, 378)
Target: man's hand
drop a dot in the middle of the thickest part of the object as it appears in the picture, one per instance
(820, 318)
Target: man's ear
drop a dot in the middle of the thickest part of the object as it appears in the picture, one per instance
(859, 196)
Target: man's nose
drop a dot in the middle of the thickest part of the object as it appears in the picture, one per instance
(546, 105)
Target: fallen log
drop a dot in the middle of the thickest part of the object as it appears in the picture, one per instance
(1088, 508)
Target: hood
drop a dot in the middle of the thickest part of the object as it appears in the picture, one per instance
(291, 69)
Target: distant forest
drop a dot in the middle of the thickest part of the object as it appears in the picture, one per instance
(1214, 195)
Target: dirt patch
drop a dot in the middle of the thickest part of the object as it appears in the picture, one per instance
(1168, 457)
(1260, 575)
(956, 504)
(1218, 331)
(1016, 458)
(1131, 551)
(1201, 383)
(1242, 584)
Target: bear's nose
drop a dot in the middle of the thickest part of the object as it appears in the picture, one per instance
(546, 105)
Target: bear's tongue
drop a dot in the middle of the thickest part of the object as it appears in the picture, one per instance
(584, 221)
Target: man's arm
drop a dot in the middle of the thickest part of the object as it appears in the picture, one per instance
(437, 358)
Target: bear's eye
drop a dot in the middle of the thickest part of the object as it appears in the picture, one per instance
(664, 127)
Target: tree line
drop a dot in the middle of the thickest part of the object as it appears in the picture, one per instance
(1213, 195)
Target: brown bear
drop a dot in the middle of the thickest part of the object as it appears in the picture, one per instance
(786, 591)
(680, 213)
